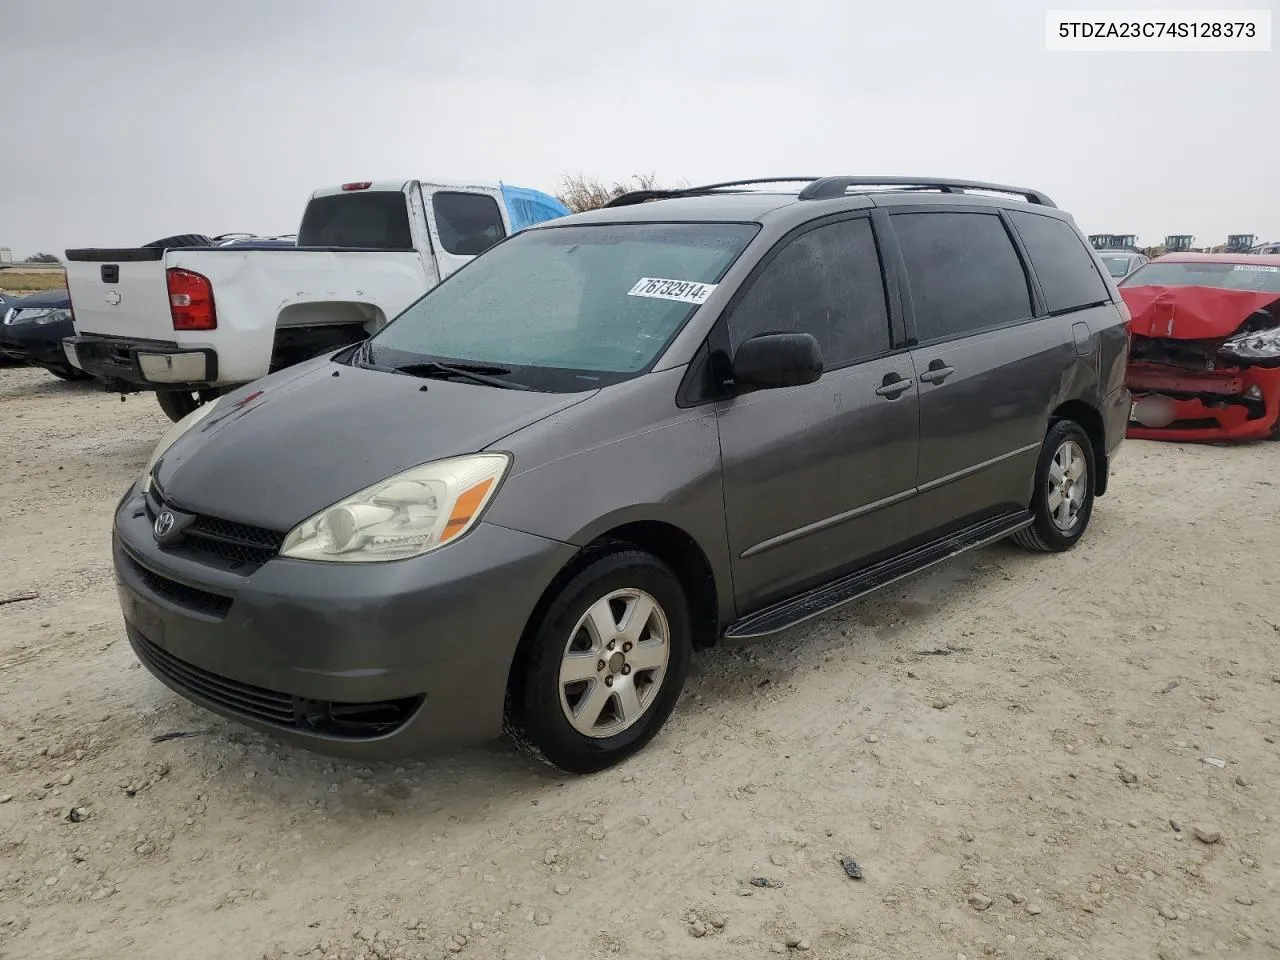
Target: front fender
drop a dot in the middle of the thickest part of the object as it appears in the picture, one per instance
(666, 474)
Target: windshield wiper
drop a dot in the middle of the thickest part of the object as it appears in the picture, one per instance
(361, 355)
(475, 372)
(362, 358)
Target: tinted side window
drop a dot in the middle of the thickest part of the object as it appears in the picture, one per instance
(1062, 264)
(826, 282)
(963, 271)
(374, 220)
(469, 223)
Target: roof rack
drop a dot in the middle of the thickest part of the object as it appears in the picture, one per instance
(641, 196)
(828, 187)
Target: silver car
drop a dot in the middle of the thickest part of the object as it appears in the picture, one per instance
(1121, 263)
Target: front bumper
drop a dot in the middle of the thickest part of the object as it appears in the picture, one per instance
(1207, 406)
(370, 661)
(38, 343)
(142, 364)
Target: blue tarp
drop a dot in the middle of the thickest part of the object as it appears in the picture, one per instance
(527, 206)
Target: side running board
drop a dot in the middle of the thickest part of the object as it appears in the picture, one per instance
(819, 600)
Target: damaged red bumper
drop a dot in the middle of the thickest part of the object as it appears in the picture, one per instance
(1223, 408)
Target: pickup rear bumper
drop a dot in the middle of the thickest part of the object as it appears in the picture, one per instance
(133, 364)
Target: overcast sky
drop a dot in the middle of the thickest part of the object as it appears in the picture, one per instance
(128, 120)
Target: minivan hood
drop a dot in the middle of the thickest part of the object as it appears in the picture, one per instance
(1191, 313)
(280, 450)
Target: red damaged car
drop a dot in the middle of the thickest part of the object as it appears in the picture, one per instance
(1204, 363)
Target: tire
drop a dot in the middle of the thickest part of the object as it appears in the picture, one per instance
(1047, 534)
(539, 706)
(179, 241)
(176, 404)
(68, 372)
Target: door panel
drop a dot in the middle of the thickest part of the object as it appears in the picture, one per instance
(989, 374)
(817, 477)
(981, 426)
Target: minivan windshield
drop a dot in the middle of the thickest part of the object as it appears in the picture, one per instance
(562, 308)
(1258, 278)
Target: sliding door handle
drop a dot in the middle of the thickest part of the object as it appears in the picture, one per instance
(936, 374)
(894, 388)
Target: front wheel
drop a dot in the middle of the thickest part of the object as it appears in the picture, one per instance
(604, 666)
(68, 372)
(176, 404)
(1063, 499)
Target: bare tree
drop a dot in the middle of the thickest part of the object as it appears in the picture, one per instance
(42, 258)
(579, 192)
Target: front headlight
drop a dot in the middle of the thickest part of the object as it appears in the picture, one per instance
(404, 516)
(171, 436)
(19, 317)
(1260, 347)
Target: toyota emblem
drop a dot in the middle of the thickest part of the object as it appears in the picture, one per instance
(164, 524)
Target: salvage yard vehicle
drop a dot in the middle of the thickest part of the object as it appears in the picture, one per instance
(191, 321)
(1205, 357)
(616, 438)
(6, 301)
(32, 330)
(1121, 263)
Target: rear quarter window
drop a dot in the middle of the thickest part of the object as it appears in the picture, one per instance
(374, 220)
(1063, 264)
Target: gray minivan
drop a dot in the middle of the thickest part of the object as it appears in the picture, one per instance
(617, 438)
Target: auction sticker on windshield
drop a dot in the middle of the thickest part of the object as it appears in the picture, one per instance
(1256, 268)
(686, 291)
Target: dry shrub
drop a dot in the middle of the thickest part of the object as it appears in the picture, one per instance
(579, 192)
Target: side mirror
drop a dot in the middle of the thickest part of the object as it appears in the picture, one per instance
(771, 360)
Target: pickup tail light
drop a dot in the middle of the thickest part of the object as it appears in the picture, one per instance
(191, 300)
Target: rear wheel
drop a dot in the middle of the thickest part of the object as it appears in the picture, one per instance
(604, 668)
(1063, 499)
(176, 404)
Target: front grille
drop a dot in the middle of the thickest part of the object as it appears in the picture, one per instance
(238, 546)
(237, 543)
(348, 721)
(180, 594)
(232, 695)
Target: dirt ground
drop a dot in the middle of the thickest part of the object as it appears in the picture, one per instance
(1070, 756)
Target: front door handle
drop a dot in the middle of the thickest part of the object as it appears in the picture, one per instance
(937, 372)
(894, 388)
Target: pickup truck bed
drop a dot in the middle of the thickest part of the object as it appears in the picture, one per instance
(317, 298)
(190, 322)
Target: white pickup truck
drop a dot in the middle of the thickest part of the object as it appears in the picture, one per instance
(191, 322)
